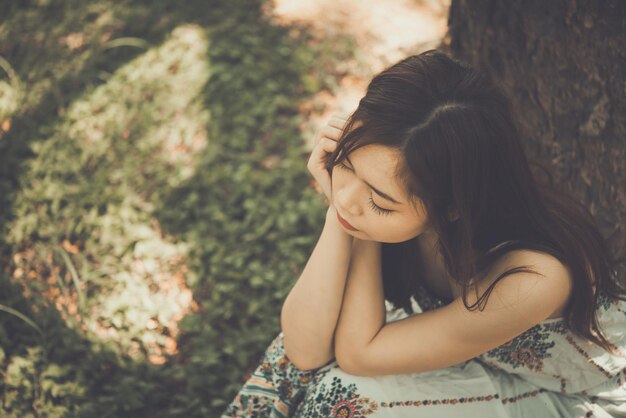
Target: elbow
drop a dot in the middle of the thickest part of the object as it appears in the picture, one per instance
(347, 361)
(306, 363)
(350, 366)
(356, 361)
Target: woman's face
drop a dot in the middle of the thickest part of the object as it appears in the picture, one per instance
(356, 183)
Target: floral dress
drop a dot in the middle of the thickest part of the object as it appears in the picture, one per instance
(544, 372)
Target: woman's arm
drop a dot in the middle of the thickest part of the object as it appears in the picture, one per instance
(363, 310)
(310, 311)
(446, 336)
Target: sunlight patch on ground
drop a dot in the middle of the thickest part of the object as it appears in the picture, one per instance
(384, 32)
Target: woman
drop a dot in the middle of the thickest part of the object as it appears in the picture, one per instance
(448, 279)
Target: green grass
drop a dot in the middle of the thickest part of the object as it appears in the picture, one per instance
(152, 149)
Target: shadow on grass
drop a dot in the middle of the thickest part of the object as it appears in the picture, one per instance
(248, 213)
(58, 49)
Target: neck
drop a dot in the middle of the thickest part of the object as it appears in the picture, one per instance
(428, 244)
(434, 265)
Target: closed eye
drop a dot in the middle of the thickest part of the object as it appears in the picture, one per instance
(374, 206)
(378, 209)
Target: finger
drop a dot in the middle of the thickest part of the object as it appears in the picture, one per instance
(337, 122)
(343, 116)
(325, 146)
(331, 133)
(319, 134)
(328, 145)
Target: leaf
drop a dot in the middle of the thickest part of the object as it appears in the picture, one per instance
(75, 278)
(22, 317)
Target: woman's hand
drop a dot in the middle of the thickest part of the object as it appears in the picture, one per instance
(325, 143)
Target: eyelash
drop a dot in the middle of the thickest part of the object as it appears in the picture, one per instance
(378, 209)
(373, 205)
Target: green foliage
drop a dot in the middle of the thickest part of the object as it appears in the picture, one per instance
(96, 180)
(250, 228)
(166, 145)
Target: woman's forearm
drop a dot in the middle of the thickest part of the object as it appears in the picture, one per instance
(310, 311)
(363, 310)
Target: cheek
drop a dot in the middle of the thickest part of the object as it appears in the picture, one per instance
(397, 230)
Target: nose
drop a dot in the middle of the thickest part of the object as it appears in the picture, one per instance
(347, 198)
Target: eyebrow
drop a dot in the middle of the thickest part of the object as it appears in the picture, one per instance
(382, 194)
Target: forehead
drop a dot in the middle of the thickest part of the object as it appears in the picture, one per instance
(384, 159)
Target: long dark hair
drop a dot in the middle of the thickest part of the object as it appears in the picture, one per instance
(462, 153)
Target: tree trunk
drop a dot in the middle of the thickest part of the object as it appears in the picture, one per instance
(563, 63)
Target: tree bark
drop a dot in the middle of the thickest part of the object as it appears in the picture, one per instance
(563, 64)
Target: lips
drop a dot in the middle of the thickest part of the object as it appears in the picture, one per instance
(345, 223)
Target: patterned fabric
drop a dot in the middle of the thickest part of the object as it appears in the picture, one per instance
(550, 356)
(544, 372)
(274, 387)
(526, 350)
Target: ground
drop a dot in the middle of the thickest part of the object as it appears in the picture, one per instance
(156, 206)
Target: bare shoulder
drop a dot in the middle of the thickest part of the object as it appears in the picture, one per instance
(550, 280)
(543, 263)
